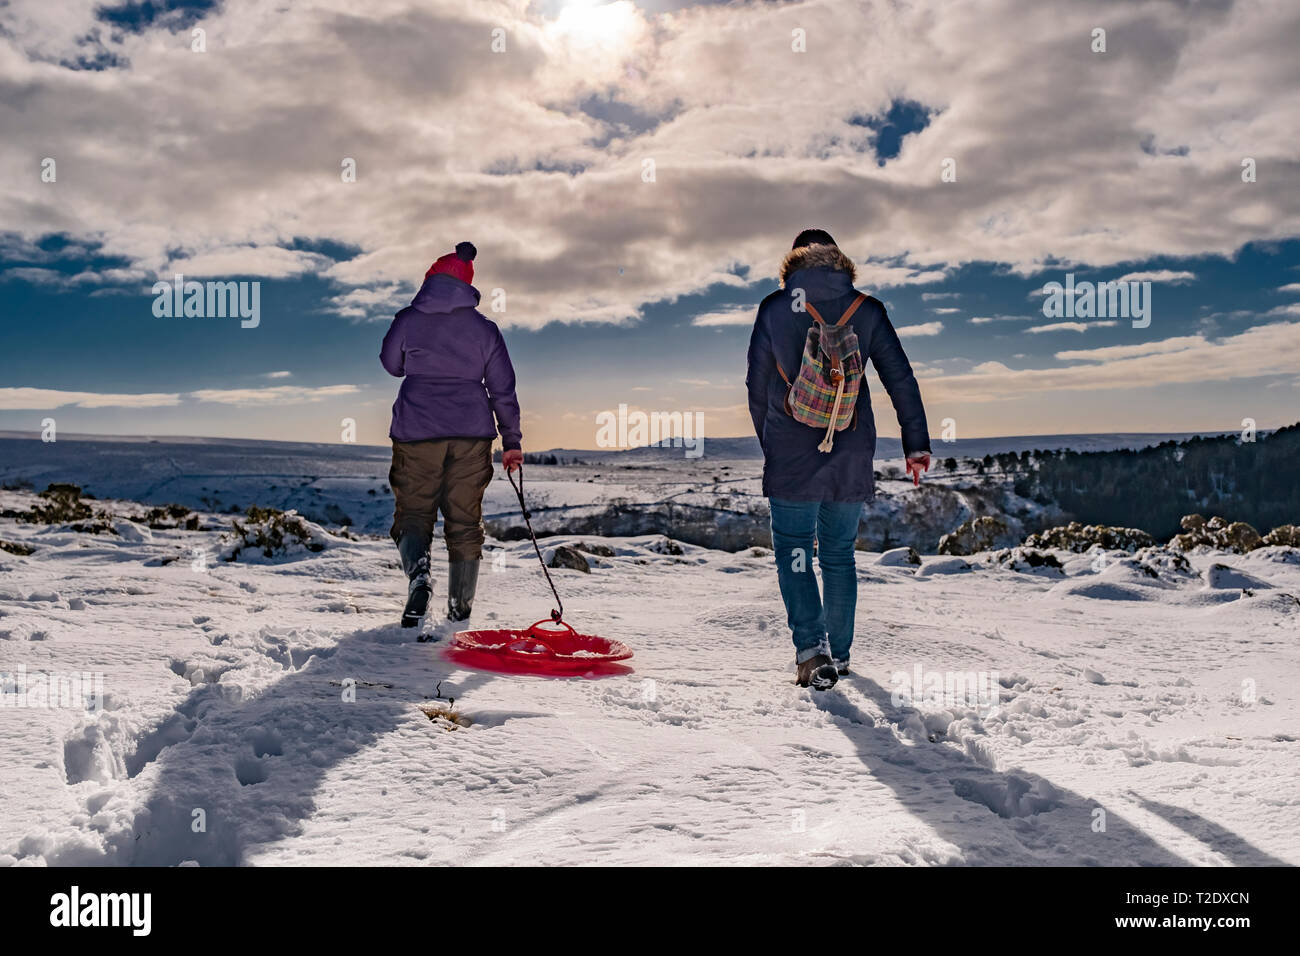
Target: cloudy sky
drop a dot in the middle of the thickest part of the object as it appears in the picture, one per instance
(632, 174)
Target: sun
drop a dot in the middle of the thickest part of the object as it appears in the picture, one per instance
(597, 21)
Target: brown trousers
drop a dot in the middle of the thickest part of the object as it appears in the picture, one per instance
(447, 475)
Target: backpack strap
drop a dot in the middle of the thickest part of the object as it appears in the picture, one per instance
(848, 313)
(836, 373)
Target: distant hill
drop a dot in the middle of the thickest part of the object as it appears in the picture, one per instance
(262, 443)
(727, 449)
(746, 447)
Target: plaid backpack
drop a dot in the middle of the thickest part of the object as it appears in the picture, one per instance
(825, 392)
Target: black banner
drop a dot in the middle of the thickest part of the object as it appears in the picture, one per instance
(334, 905)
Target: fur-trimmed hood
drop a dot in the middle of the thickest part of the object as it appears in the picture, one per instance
(817, 256)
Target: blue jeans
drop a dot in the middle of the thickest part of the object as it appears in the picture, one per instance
(818, 626)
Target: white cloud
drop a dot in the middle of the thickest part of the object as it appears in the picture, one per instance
(1111, 352)
(1165, 276)
(1071, 326)
(271, 395)
(735, 315)
(14, 399)
(922, 329)
(933, 296)
(1258, 352)
(36, 275)
(873, 275)
(949, 311)
(281, 374)
(223, 162)
(372, 304)
(53, 278)
(1292, 287)
(269, 262)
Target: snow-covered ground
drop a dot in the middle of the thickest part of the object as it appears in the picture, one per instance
(1147, 714)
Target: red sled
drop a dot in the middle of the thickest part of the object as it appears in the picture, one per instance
(548, 648)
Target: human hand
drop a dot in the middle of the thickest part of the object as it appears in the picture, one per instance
(918, 465)
(512, 459)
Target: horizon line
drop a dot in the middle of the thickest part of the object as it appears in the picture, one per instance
(13, 434)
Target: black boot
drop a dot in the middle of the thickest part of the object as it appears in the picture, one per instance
(462, 582)
(417, 593)
(413, 549)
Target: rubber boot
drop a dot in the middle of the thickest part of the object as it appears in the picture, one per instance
(413, 549)
(462, 582)
(417, 593)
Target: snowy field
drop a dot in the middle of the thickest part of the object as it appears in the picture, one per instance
(1147, 713)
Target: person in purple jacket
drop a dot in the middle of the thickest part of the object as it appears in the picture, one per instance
(456, 378)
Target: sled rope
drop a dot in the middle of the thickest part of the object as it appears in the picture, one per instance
(557, 612)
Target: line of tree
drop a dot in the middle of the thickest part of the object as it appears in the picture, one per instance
(1153, 488)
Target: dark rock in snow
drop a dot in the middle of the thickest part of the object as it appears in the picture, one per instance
(977, 534)
(564, 556)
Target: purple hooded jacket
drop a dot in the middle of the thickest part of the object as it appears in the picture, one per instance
(457, 370)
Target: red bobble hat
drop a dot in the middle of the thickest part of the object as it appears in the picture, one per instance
(459, 264)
